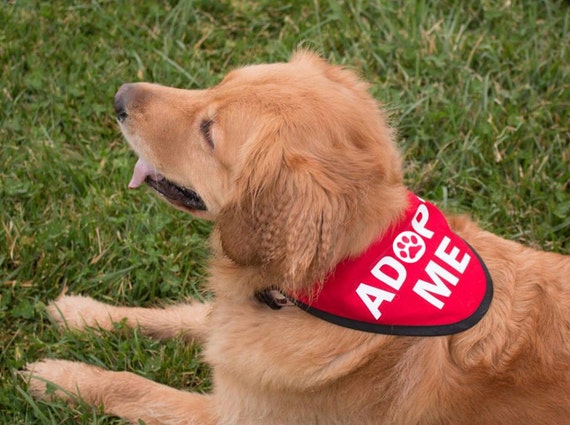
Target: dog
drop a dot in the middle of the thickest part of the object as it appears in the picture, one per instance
(340, 297)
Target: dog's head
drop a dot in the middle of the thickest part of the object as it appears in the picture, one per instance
(293, 161)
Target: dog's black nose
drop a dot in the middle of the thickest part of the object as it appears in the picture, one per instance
(120, 103)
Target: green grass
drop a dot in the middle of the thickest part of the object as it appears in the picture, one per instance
(479, 90)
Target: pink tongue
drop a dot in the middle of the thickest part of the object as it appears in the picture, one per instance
(141, 172)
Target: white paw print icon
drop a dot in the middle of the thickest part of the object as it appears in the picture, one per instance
(409, 247)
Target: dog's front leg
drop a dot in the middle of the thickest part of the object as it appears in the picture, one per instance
(78, 312)
(122, 394)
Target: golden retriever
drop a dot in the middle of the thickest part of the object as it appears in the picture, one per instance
(297, 167)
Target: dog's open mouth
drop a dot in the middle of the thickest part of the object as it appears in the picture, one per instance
(176, 194)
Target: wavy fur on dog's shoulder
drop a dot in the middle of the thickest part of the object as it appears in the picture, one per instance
(297, 167)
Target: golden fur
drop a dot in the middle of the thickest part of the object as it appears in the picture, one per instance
(304, 172)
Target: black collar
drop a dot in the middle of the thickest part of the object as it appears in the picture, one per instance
(273, 298)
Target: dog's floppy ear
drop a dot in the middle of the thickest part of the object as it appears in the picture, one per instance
(318, 180)
(281, 218)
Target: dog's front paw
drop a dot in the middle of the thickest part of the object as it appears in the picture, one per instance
(59, 378)
(78, 312)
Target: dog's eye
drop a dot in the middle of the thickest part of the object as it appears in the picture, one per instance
(206, 129)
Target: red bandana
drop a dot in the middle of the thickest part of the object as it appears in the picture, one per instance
(418, 279)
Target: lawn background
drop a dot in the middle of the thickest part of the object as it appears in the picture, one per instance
(479, 90)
